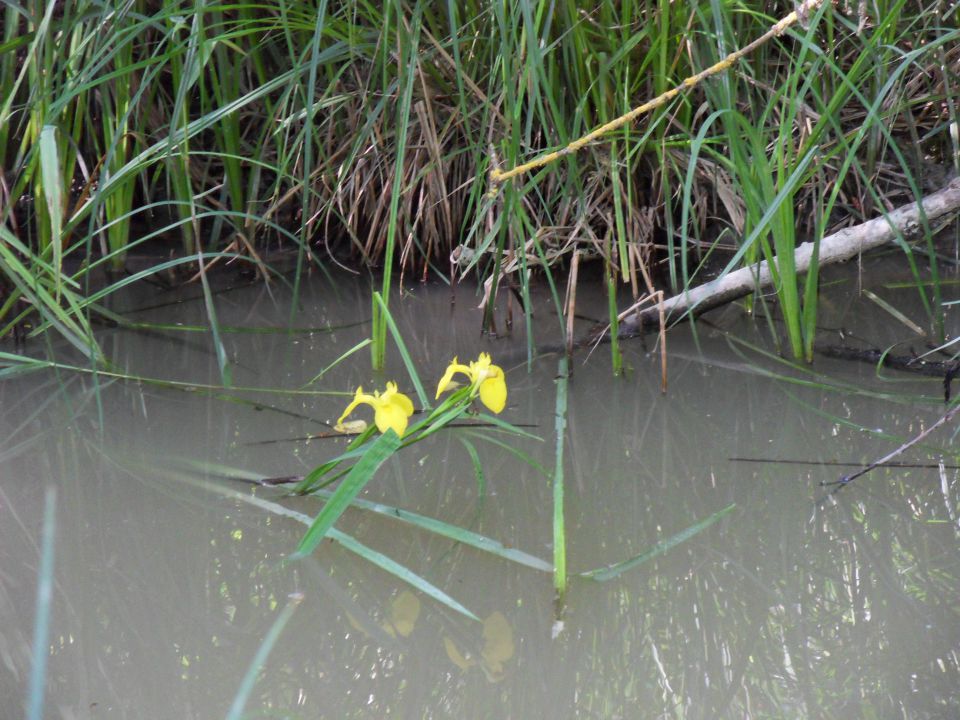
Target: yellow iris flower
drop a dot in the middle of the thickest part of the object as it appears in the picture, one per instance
(391, 409)
(485, 378)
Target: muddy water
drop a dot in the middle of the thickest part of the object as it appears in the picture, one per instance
(167, 580)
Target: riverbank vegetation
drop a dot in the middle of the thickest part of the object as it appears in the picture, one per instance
(164, 141)
(210, 134)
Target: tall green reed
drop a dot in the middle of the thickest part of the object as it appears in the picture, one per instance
(559, 525)
(408, 41)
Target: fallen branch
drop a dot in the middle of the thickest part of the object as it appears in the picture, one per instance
(840, 246)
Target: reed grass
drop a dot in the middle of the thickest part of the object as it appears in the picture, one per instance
(356, 133)
(559, 525)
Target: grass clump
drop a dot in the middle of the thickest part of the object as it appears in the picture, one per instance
(348, 132)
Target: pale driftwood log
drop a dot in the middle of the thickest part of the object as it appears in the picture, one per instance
(840, 246)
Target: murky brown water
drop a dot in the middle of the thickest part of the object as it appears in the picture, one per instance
(165, 587)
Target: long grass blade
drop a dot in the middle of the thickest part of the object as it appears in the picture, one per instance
(422, 522)
(451, 532)
(399, 571)
(893, 312)
(376, 453)
(478, 473)
(359, 346)
(353, 545)
(52, 179)
(408, 71)
(408, 363)
(613, 571)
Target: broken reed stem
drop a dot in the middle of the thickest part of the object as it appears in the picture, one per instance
(498, 176)
(663, 343)
(572, 300)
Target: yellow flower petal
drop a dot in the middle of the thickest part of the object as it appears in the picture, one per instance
(486, 379)
(493, 391)
(492, 383)
(391, 409)
(404, 403)
(389, 416)
(452, 369)
(397, 398)
(358, 398)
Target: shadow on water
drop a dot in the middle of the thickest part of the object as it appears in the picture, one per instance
(165, 589)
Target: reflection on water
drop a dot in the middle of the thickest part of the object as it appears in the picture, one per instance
(165, 590)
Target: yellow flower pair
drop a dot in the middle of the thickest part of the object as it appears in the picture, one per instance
(393, 409)
(485, 378)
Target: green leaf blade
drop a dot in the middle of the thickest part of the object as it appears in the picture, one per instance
(614, 571)
(360, 474)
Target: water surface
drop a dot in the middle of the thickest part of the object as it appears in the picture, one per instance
(167, 583)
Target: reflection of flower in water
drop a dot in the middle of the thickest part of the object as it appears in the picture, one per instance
(401, 621)
(403, 614)
(497, 648)
(401, 617)
(497, 645)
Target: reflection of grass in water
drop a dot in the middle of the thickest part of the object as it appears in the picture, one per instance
(767, 609)
(614, 571)
(41, 626)
(260, 658)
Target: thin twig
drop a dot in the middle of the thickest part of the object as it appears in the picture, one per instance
(839, 463)
(847, 479)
